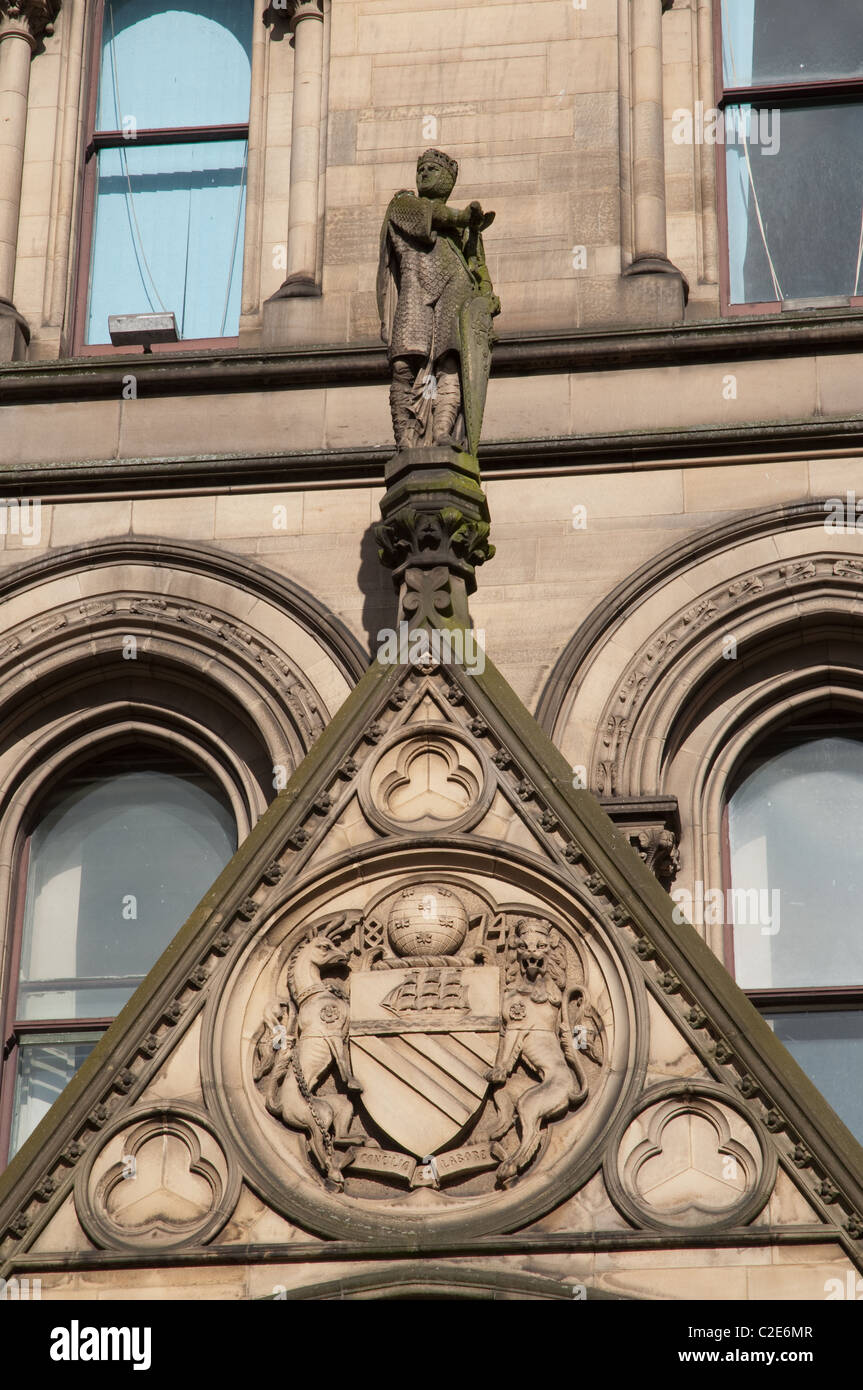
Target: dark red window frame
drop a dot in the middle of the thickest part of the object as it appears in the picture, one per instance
(776, 94)
(96, 140)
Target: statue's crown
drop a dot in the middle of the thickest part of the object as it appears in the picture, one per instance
(443, 160)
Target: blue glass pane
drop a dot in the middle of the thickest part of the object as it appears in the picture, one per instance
(178, 65)
(795, 218)
(38, 1000)
(790, 40)
(168, 237)
(116, 866)
(796, 830)
(44, 1070)
(829, 1048)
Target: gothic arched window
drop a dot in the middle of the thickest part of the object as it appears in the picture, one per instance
(117, 858)
(166, 166)
(795, 853)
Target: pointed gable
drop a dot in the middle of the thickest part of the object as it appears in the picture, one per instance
(436, 997)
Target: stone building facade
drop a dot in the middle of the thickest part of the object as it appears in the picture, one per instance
(191, 581)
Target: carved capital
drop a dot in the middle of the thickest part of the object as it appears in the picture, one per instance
(305, 9)
(31, 20)
(430, 539)
(288, 13)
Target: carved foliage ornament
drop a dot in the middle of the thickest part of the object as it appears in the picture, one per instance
(456, 539)
(33, 19)
(290, 12)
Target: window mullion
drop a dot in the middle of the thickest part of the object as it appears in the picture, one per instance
(166, 135)
(792, 93)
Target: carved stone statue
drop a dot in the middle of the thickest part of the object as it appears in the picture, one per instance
(303, 1040)
(538, 1033)
(436, 304)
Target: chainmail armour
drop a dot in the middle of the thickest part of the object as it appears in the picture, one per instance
(432, 281)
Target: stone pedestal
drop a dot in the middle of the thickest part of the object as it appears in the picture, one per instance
(434, 531)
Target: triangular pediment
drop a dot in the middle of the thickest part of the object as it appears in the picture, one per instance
(434, 997)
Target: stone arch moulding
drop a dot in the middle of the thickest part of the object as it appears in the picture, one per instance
(596, 658)
(424, 1279)
(251, 638)
(234, 669)
(207, 562)
(700, 654)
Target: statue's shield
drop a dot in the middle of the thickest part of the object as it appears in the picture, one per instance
(422, 1039)
(475, 333)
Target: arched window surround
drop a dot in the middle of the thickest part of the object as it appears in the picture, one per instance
(687, 669)
(219, 677)
(647, 697)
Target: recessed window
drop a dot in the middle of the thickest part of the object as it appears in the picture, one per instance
(117, 860)
(795, 849)
(167, 165)
(792, 104)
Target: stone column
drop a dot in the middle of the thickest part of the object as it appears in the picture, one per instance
(704, 154)
(307, 26)
(23, 23)
(649, 242)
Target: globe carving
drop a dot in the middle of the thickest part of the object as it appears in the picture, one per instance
(426, 920)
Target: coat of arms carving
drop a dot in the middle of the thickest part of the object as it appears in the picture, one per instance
(426, 1042)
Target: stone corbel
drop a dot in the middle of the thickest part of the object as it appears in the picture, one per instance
(23, 26)
(652, 827)
(658, 848)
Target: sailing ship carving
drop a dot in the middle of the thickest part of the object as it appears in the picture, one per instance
(423, 991)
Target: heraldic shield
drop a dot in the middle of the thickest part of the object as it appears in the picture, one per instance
(422, 1042)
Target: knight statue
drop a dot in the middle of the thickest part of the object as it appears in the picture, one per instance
(436, 303)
